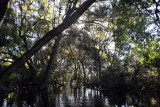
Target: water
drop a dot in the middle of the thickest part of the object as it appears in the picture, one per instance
(67, 96)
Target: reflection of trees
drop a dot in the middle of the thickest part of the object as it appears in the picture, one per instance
(45, 98)
(149, 99)
(27, 98)
(98, 99)
(2, 97)
(11, 99)
(21, 98)
(135, 98)
(66, 93)
(75, 93)
(81, 96)
(84, 97)
(117, 98)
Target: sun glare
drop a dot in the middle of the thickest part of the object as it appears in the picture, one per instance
(80, 26)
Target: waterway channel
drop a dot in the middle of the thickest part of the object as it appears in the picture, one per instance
(67, 96)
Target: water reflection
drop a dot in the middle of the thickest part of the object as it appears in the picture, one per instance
(67, 96)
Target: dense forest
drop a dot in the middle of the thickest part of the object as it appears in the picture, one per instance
(109, 44)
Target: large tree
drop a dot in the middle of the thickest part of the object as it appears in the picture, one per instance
(120, 23)
(71, 17)
(3, 8)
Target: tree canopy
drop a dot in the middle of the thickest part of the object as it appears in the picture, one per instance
(88, 41)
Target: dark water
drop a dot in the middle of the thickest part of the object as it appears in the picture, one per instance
(79, 97)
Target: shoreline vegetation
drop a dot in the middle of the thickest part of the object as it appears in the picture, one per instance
(99, 85)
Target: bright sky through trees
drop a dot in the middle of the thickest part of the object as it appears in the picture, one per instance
(80, 40)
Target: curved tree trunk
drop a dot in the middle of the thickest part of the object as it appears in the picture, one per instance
(84, 72)
(3, 8)
(51, 63)
(67, 22)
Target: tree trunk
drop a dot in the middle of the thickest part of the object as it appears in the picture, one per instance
(3, 8)
(96, 64)
(51, 63)
(33, 70)
(84, 73)
(75, 72)
(99, 65)
(67, 22)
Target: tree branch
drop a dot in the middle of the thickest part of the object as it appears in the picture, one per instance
(3, 8)
(50, 35)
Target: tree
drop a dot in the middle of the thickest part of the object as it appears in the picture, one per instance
(51, 63)
(3, 9)
(71, 17)
(112, 31)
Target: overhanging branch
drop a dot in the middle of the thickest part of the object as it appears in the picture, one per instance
(50, 35)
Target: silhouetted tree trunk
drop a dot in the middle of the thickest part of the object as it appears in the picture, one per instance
(136, 72)
(75, 71)
(67, 22)
(96, 63)
(51, 63)
(33, 70)
(84, 73)
(3, 8)
(99, 65)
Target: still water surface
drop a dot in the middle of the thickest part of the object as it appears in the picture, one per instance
(67, 96)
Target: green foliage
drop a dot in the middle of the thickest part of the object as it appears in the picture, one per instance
(116, 39)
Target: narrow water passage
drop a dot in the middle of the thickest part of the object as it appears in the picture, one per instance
(67, 96)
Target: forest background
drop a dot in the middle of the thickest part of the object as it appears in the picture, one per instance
(103, 43)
